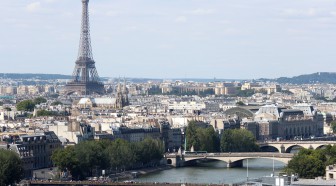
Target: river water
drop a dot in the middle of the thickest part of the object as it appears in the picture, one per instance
(215, 172)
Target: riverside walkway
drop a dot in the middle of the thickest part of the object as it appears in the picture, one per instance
(90, 183)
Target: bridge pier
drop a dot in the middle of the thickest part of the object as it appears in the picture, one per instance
(238, 163)
(176, 161)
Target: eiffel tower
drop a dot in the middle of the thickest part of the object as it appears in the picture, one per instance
(85, 79)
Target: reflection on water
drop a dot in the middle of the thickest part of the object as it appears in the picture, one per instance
(215, 172)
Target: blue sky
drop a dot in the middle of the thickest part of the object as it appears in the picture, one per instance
(232, 39)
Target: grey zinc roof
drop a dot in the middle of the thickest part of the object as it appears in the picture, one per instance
(314, 182)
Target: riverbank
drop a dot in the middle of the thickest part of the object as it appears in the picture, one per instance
(131, 174)
(153, 169)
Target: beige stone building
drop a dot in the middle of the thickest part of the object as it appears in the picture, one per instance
(331, 172)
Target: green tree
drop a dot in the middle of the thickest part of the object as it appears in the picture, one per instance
(240, 103)
(333, 126)
(56, 103)
(91, 157)
(149, 150)
(25, 105)
(330, 154)
(10, 165)
(238, 140)
(121, 154)
(202, 138)
(209, 140)
(39, 100)
(191, 136)
(245, 93)
(8, 109)
(307, 163)
(66, 160)
(45, 113)
(154, 90)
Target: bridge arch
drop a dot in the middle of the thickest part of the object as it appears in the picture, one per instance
(290, 148)
(322, 146)
(169, 161)
(233, 160)
(268, 148)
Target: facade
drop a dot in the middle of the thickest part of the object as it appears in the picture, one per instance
(35, 150)
(25, 155)
(41, 147)
(331, 172)
(174, 139)
(248, 86)
(225, 89)
(97, 102)
(118, 102)
(251, 126)
(223, 123)
(187, 107)
(73, 132)
(273, 88)
(137, 135)
(268, 130)
(277, 122)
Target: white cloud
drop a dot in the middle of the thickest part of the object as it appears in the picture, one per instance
(292, 31)
(50, 1)
(166, 46)
(67, 14)
(33, 7)
(231, 31)
(113, 13)
(333, 13)
(201, 11)
(131, 28)
(310, 12)
(181, 19)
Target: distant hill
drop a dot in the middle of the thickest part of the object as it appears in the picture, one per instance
(33, 76)
(319, 77)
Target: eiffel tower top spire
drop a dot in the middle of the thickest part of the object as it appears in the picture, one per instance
(85, 51)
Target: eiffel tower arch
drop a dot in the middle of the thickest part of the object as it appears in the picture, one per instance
(85, 79)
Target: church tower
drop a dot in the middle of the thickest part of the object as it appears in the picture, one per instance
(125, 94)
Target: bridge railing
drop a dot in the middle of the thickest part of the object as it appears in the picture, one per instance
(237, 154)
(297, 142)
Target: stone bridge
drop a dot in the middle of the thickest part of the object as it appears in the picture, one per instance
(232, 159)
(287, 146)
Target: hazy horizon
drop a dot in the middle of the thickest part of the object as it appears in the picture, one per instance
(226, 39)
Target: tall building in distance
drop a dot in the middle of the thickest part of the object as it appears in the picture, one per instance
(85, 79)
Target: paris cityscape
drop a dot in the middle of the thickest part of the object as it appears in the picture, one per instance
(222, 99)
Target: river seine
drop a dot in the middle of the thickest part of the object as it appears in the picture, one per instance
(215, 172)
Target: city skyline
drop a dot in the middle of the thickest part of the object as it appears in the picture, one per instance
(233, 39)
